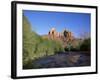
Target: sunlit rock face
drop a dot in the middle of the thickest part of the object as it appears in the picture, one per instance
(65, 35)
(54, 34)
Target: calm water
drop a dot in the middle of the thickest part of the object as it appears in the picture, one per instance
(63, 59)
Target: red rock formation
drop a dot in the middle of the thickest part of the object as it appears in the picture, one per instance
(54, 34)
(68, 35)
(65, 35)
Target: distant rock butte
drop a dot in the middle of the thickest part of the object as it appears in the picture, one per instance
(64, 36)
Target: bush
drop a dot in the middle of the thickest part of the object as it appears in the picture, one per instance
(86, 45)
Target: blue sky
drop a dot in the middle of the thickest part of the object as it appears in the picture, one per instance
(43, 21)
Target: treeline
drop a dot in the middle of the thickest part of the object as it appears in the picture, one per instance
(34, 46)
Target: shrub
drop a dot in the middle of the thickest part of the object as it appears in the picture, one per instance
(86, 45)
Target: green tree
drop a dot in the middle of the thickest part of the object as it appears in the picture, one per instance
(86, 45)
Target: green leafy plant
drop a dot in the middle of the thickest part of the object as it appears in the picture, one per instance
(86, 45)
